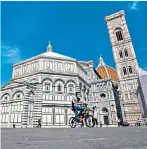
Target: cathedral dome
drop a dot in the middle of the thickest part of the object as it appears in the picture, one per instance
(106, 71)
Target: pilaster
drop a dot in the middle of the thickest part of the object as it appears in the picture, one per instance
(37, 114)
(25, 109)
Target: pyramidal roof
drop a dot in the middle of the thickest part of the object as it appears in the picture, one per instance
(56, 55)
(48, 54)
(52, 54)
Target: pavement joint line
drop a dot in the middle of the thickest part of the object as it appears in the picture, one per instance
(98, 139)
(87, 144)
(93, 139)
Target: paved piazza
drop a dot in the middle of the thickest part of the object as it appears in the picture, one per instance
(78, 138)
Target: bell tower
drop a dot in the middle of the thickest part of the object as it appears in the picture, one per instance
(126, 65)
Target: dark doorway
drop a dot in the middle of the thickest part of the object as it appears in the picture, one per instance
(106, 120)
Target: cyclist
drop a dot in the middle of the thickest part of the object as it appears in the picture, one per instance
(76, 105)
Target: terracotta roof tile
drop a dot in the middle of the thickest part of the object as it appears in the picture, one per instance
(112, 72)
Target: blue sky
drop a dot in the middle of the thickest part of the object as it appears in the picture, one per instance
(76, 29)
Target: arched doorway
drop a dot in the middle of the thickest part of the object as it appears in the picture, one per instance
(106, 120)
(105, 115)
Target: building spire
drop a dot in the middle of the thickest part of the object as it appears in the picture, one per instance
(101, 61)
(49, 47)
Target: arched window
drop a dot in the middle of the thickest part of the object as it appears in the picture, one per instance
(120, 54)
(18, 95)
(80, 85)
(84, 88)
(47, 87)
(130, 69)
(103, 95)
(119, 34)
(124, 71)
(88, 91)
(71, 88)
(105, 110)
(126, 52)
(59, 88)
(6, 97)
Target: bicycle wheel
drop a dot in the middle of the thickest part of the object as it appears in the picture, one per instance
(89, 121)
(72, 122)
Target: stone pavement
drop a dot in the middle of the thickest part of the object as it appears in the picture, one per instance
(77, 138)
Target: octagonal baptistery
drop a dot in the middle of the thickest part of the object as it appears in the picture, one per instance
(43, 87)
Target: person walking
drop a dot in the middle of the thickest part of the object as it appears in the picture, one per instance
(39, 123)
(118, 122)
(95, 116)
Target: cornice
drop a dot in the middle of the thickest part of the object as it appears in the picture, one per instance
(44, 57)
(115, 15)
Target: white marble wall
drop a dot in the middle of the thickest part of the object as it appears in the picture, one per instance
(45, 102)
(102, 96)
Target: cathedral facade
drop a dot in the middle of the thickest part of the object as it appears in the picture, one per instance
(43, 86)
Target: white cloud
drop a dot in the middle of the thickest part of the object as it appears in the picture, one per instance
(134, 6)
(10, 55)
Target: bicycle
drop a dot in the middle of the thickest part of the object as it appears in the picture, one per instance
(83, 117)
